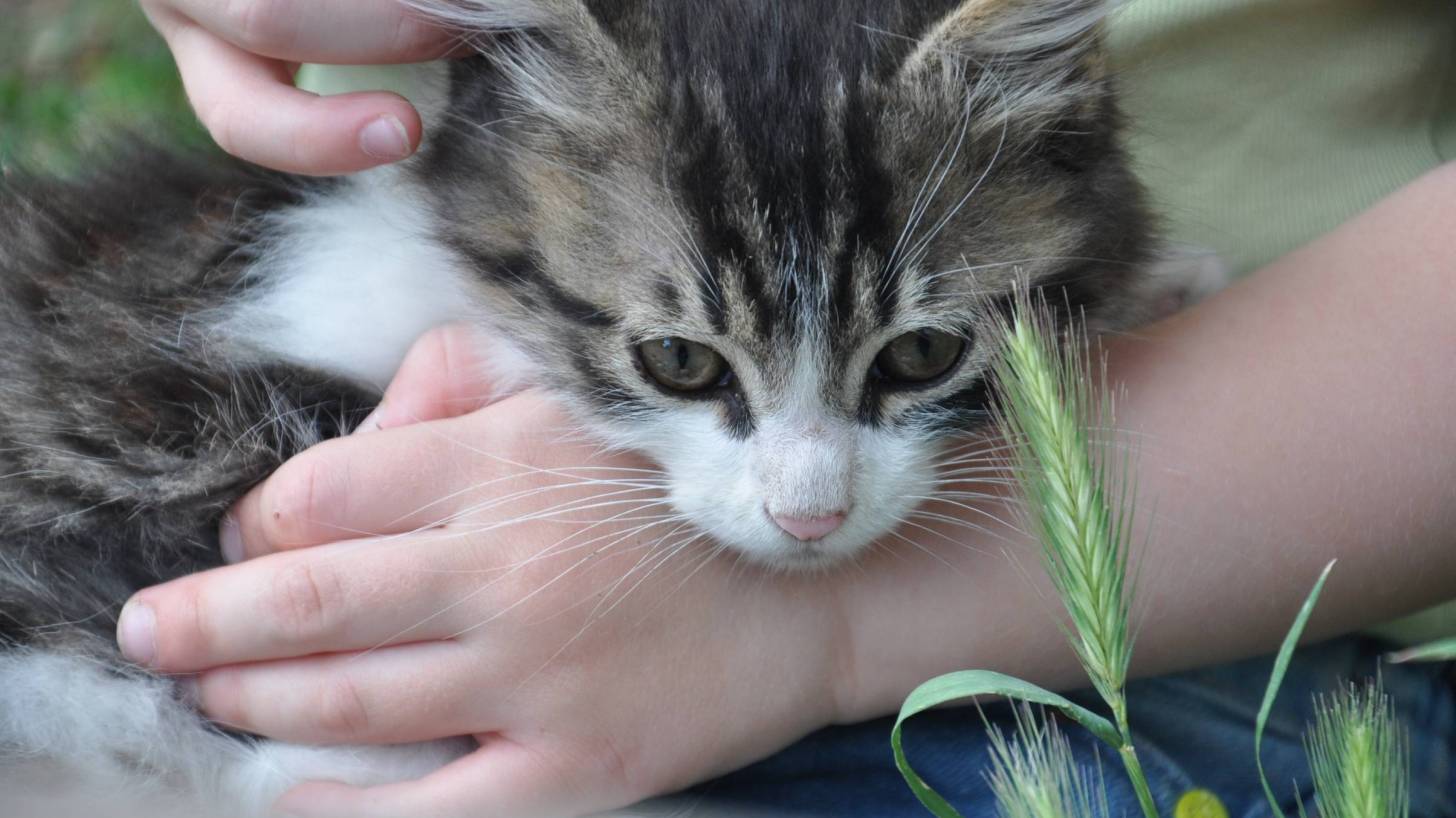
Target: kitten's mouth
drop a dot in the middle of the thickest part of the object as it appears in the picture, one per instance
(807, 557)
(816, 555)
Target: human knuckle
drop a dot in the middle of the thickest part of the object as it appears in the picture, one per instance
(303, 602)
(290, 503)
(259, 25)
(224, 698)
(340, 711)
(187, 642)
(592, 766)
(609, 761)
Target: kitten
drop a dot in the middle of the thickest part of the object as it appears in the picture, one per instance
(760, 242)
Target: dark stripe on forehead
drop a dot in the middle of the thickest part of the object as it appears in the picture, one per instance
(703, 179)
(870, 191)
(575, 308)
(523, 276)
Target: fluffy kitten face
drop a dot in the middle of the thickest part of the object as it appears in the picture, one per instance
(769, 237)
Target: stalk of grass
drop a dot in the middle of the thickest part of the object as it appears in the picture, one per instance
(1047, 404)
(1359, 755)
(1033, 774)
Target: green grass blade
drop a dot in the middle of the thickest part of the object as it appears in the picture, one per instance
(1276, 679)
(1442, 651)
(967, 684)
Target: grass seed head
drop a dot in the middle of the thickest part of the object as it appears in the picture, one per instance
(1046, 408)
(1359, 754)
(1033, 774)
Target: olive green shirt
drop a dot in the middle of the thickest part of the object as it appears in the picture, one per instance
(1261, 124)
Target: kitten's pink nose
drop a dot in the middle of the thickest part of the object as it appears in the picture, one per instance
(809, 528)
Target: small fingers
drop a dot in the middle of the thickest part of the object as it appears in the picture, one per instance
(392, 695)
(249, 105)
(382, 484)
(387, 484)
(346, 596)
(424, 476)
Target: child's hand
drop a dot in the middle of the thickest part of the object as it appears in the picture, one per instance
(493, 575)
(237, 59)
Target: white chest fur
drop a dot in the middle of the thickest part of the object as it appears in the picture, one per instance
(351, 280)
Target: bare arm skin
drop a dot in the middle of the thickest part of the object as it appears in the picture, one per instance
(1308, 413)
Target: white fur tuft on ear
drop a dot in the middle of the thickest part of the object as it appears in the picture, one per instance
(992, 30)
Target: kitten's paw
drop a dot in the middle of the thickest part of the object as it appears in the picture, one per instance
(274, 767)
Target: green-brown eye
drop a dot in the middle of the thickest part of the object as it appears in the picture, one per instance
(919, 356)
(680, 364)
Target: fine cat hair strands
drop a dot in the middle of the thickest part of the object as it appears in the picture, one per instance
(756, 241)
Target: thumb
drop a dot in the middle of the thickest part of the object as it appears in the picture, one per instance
(448, 372)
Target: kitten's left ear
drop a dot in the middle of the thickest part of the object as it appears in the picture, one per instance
(1035, 54)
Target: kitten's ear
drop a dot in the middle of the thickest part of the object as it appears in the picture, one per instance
(1031, 52)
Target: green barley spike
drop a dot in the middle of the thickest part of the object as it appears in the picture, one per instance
(1047, 406)
(1033, 774)
(1359, 754)
(1047, 401)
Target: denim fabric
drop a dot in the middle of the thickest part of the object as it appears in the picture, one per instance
(1192, 730)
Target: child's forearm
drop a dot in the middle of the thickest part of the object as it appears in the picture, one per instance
(1309, 413)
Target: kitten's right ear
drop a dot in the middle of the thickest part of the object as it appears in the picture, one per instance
(1048, 31)
(1034, 54)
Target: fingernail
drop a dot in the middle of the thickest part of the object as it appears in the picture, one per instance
(370, 423)
(136, 633)
(230, 538)
(385, 138)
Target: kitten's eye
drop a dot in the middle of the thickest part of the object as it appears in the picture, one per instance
(919, 356)
(680, 364)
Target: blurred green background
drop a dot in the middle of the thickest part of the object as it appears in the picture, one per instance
(73, 72)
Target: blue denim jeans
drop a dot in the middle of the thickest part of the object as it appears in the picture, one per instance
(1192, 730)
